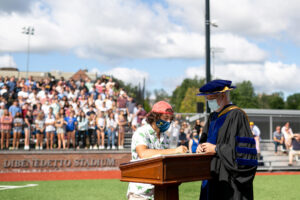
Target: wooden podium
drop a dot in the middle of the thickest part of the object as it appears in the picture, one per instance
(167, 172)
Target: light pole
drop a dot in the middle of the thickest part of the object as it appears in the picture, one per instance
(28, 31)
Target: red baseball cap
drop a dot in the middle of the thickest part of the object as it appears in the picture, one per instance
(162, 107)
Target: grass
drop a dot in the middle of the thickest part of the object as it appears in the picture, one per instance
(265, 188)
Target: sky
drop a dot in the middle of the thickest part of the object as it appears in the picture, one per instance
(162, 41)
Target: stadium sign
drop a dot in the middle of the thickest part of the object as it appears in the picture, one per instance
(61, 161)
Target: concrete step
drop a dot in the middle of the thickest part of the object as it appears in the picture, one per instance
(276, 158)
(278, 168)
(267, 148)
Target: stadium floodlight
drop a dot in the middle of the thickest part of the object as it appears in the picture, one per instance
(28, 31)
(213, 51)
(214, 24)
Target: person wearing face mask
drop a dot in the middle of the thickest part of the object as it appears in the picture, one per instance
(194, 141)
(150, 140)
(227, 135)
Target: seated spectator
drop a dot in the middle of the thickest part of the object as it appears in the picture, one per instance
(194, 141)
(278, 139)
(288, 135)
(295, 150)
(13, 109)
(182, 139)
(122, 101)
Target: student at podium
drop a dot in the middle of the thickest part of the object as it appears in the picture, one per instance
(227, 134)
(150, 140)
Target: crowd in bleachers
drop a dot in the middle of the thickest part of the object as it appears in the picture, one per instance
(82, 114)
(65, 113)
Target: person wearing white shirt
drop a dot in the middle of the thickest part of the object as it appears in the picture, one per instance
(111, 130)
(103, 107)
(50, 128)
(3, 90)
(100, 129)
(72, 95)
(288, 135)
(41, 94)
(98, 102)
(108, 103)
(256, 133)
(45, 107)
(23, 93)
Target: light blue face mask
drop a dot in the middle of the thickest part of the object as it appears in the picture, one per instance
(213, 104)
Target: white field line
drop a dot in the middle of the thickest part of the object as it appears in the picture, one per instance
(9, 187)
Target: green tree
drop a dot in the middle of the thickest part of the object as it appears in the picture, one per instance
(161, 94)
(273, 101)
(276, 102)
(293, 101)
(179, 93)
(244, 96)
(189, 103)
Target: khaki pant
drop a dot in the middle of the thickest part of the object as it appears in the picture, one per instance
(135, 197)
(292, 154)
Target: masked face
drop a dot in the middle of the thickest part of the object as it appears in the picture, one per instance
(163, 125)
(213, 104)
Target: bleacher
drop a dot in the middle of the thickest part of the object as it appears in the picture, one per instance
(271, 162)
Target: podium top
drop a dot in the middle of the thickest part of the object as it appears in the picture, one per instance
(167, 169)
(164, 156)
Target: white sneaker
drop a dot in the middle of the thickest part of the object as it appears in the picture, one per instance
(41, 148)
(113, 147)
(108, 147)
(91, 147)
(121, 147)
(102, 147)
(95, 147)
(37, 148)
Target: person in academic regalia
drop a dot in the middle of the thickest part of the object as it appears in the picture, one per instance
(227, 135)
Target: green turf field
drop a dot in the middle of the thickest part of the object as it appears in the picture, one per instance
(265, 187)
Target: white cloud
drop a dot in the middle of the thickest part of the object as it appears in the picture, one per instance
(253, 18)
(114, 30)
(128, 75)
(7, 61)
(267, 77)
(237, 49)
